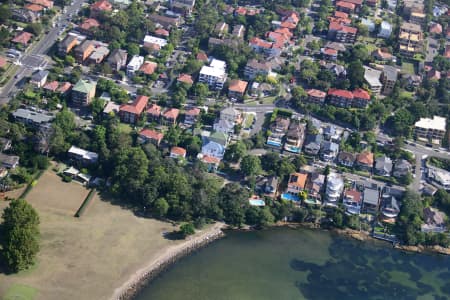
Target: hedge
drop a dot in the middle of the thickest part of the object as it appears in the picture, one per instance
(31, 184)
(85, 203)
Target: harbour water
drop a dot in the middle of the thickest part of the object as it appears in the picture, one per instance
(284, 263)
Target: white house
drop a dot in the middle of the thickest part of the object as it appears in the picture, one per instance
(369, 23)
(385, 30)
(82, 155)
(134, 64)
(155, 43)
(335, 186)
(214, 75)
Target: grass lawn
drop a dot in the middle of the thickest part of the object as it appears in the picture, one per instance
(20, 292)
(88, 257)
(408, 68)
(249, 120)
(125, 128)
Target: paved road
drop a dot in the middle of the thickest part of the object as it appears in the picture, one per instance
(34, 57)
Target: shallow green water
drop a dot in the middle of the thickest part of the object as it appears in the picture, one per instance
(301, 264)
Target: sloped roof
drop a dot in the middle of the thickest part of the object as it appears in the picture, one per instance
(83, 86)
(238, 86)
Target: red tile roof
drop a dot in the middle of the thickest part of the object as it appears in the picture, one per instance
(171, 113)
(64, 87)
(447, 52)
(51, 86)
(343, 21)
(344, 4)
(162, 32)
(238, 86)
(185, 78)
(329, 51)
(354, 194)
(210, 160)
(241, 11)
(89, 23)
(202, 56)
(102, 5)
(436, 28)
(154, 110)
(339, 27)
(178, 151)
(341, 14)
(340, 93)
(361, 94)
(151, 134)
(137, 107)
(365, 158)
(316, 93)
(195, 111)
(44, 3)
(2, 61)
(22, 38)
(356, 2)
(34, 7)
(148, 67)
(260, 43)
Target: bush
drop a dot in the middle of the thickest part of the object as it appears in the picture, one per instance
(66, 178)
(187, 229)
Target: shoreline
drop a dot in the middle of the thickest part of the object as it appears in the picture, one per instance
(164, 259)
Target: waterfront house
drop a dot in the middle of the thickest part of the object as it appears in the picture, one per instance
(82, 156)
(402, 168)
(149, 135)
(346, 159)
(313, 143)
(390, 207)
(334, 188)
(371, 200)
(352, 201)
(314, 187)
(267, 185)
(131, 113)
(364, 160)
(9, 161)
(383, 166)
(296, 183)
(329, 151)
(434, 220)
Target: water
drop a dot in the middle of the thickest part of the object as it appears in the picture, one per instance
(301, 264)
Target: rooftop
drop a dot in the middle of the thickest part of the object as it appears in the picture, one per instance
(437, 123)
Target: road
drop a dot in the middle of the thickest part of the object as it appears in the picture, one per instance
(34, 57)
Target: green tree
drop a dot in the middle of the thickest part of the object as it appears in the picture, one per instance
(161, 207)
(235, 152)
(21, 235)
(250, 165)
(187, 229)
(355, 73)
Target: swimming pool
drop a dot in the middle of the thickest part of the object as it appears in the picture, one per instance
(257, 202)
(290, 197)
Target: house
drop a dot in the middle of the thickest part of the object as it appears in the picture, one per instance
(117, 59)
(39, 78)
(388, 79)
(267, 185)
(67, 44)
(134, 65)
(169, 116)
(44, 3)
(439, 178)
(186, 79)
(369, 24)
(64, 88)
(383, 166)
(131, 113)
(371, 200)
(361, 98)
(214, 75)
(229, 118)
(382, 54)
(346, 7)
(211, 162)
(255, 68)
(313, 143)
(402, 168)
(149, 135)
(329, 54)
(37, 9)
(390, 207)
(88, 26)
(83, 50)
(148, 67)
(111, 108)
(314, 187)
(154, 43)
(334, 188)
(268, 48)
(410, 39)
(164, 21)
(83, 92)
(238, 31)
(161, 32)
(435, 28)
(316, 96)
(385, 30)
(330, 133)
(5, 144)
(9, 161)
(434, 220)
(153, 112)
(100, 7)
(24, 15)
(221, 29)
(214, 145)
(296, 183)
(177, 152)
(100, 52)
(342, 33)
(430, 130)
(434, 75)
(236, 89)
(364, 161)
(191, 116)
(51, 86)
(372, 77)
(23, 38)
(82, 156)
(346, 159)
(278, 130)
(340, 98)
(295, 137)
(183, 6)
(352, 201)
(329, 151)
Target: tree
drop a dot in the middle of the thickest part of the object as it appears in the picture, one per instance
(410, 218)
(34, 28)
(235, 152)
(161, 207)
(187, 229)
(21, 235)
(355, 72)
(250, 165)
(133, 49)
(200, 90)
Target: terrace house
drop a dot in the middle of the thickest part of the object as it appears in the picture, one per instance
(131, 113)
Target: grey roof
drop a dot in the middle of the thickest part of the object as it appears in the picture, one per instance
(33, 116)
(383, 163)
(330, 146)
(329, 130)
(390, 73)
(402, 164)
(39, 75)
(371, 196)
(117, 55)
(390, 202)
(272, 181)
(68, 40)
(346, 156)
(313, 139)
(9, 160)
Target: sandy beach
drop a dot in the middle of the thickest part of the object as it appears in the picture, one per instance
(166, 257)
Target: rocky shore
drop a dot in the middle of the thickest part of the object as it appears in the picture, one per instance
(143, 276)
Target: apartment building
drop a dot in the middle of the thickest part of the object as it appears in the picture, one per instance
(255, 68)
(430, 130)
(388, 78)
(340, 98)
(410, 39)
(214, 75)
(342, 33)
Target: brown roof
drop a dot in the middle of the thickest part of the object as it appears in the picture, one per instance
(151, 134)
(89, 23)
(102, 5)
(185, 78)
(137, 107)
(195, 111)
(2, 61)
(22, 38)
(171, 113)
(52, 86)
(365, 158)
(298, 179)
(154, 110)
(210, 159)
(34, 7)
(45, 3)
(238, 86)
(64, 87)
(316, 93)
(162, 32)
(354, 194)
(202, 56)
(178, 151)
(148, 67)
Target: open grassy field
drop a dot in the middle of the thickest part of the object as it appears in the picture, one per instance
(87, 257)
